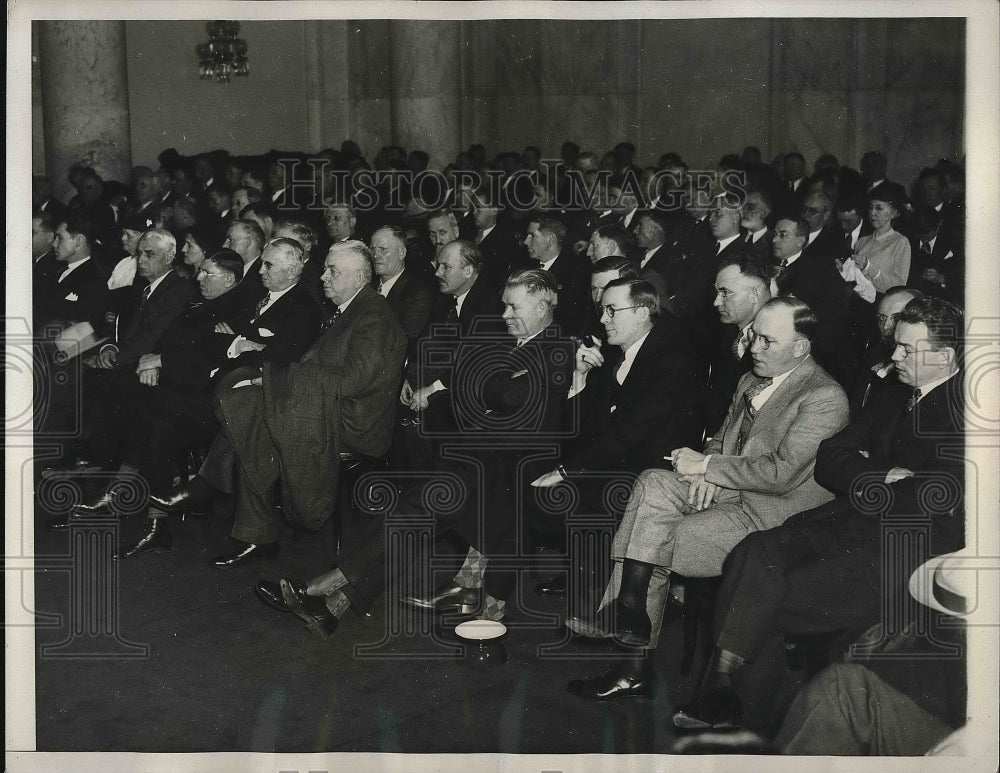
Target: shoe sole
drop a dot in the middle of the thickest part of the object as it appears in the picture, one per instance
(630, 640)
(616, 698)
(586, 630)
(686, 721)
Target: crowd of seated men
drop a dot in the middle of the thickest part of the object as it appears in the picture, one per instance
(742, 374)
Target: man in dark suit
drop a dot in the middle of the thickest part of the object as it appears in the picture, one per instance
(877, 368)
(246, 238)
(153, 426)
(825, 570)
(850, 214)
(284, 321)
(496, 239)
(544, 241)
(145, 198)
(938, 264)
(742, 287)
(289, 421)
(812, 276)
(42, 201)
(304, 234)
(632, 402)
(756, 472)
(44, 263)
(756, 216)
(141, 325)
(409, 298)
(469, 306)
(78, 292)
(510, 399)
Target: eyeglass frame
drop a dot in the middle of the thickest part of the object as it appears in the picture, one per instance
(611, 310)
(765, 342)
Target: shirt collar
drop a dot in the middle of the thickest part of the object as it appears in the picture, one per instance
(926, 388)
(156, 283)
(343, 306)
(72, 267)
(387, 284)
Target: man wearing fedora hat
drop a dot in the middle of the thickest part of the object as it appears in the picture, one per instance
(824, 570)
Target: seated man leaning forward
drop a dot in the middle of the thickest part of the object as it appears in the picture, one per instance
(756, 472)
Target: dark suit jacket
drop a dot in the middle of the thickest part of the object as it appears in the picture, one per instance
(502, 254)
(341, 396)
(656, 409)
(44, 273)
(293, 322)
(572, 274)
(142, 325)
(80, 297)
(186, 352)
(763, 247)
(410, 299)
(726, 372)
(946, 257)
(814, 278)
(929, 441)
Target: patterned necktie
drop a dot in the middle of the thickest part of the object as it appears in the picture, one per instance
(146, 292)
(749, 412)
(741, 339)
(925, 247)
(380, 292)
(452, 315)
(326, 324)
(913, 400)
(261, 304)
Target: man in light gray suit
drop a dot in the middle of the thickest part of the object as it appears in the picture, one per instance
(756, 472)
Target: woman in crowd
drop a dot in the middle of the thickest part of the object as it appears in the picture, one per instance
(884, 256)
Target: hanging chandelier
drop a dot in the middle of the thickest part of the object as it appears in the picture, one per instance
(224, 55)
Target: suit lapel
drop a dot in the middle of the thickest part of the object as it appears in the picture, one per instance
(778, 400)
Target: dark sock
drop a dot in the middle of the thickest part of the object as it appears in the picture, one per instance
(635, 583)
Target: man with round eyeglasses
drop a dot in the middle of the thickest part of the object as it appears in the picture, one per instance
(755, 473)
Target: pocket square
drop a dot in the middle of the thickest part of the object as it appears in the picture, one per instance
(520, 373)
(949, 255)
(72, 297)
(263, 332)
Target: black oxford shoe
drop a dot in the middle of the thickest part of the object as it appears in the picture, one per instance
(554, 587)
(249, 552)
(450, 599)
(613, 685)
(714, 707)
(311, 609)
(178, 500)
(157, 539)
(270, 593)
(101, 504)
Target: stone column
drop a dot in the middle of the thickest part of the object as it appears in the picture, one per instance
(426, 87)
(84, 100)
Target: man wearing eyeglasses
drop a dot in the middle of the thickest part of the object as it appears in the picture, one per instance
(898, 472)
(879, 369)
(635, 400)
(756, 472)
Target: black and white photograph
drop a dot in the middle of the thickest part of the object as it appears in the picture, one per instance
(502, 386)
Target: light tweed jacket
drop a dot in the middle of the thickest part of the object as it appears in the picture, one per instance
(774, 474)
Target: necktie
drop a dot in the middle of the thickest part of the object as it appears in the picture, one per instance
(783, 263)
(261, 304)
(146, 291)
(748, 239)
(740, 343)
(749, 412)
(326, 324)
(925, 247)
(913, 400)
(718, 247)
(452, 315)
(380, 292)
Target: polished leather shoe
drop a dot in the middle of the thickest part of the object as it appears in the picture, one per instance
(75, 466)
(157, 539)
(450, 599)
(554, 587)
(632, 626)
(589, 629)
(270, 593)
(713, 707)
(311, 609)
(249, 552)
(101, 504)
(613, 685)
(178, 500)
